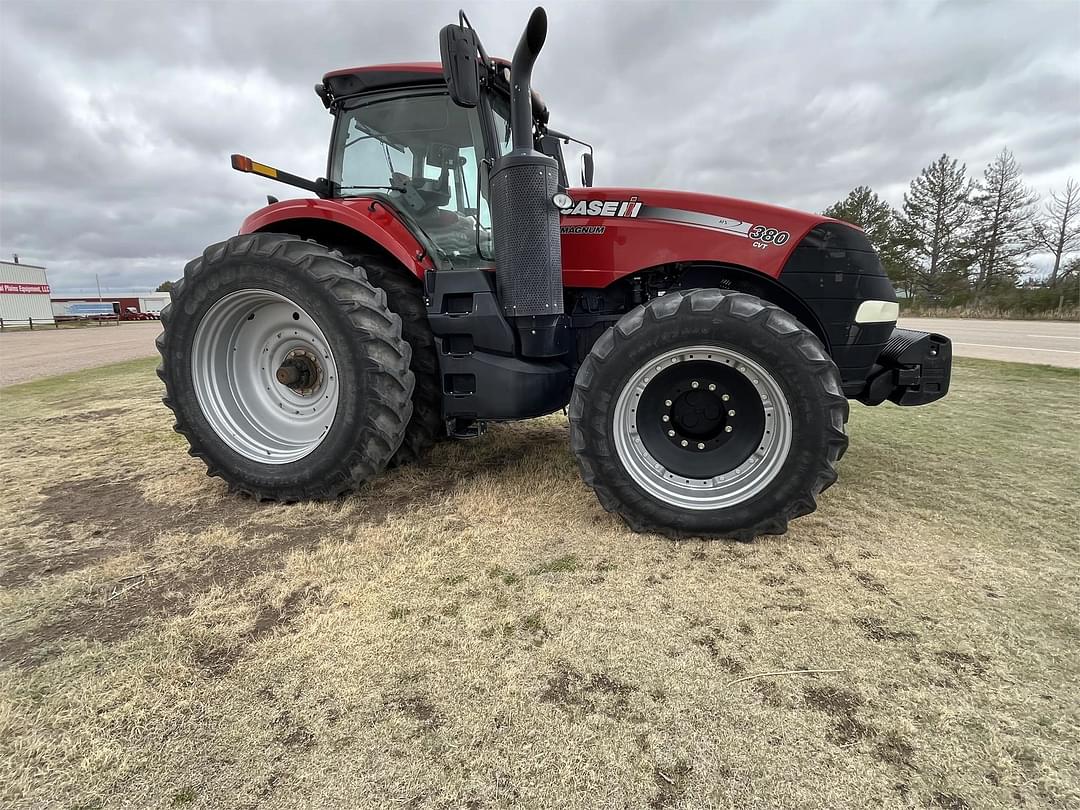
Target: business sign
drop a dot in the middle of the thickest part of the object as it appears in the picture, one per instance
(25, 289)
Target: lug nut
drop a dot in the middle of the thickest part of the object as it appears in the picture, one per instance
(731, 412)
(666, 418)
(684, 442)
(712, 386)
(700, 446)
(727, 429)
(725, 397)
(671, 433)
(694, 384)
(667, 402)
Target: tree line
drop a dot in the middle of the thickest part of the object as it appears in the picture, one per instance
(967, 243)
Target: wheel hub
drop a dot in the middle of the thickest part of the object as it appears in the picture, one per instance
(301, 372)
(701, 415)
(265, 376)
(703, 427)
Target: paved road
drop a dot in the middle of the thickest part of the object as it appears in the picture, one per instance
(1053, 343)
(26, 356)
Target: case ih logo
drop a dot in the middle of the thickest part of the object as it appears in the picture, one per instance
(596, 208)
(24, 289)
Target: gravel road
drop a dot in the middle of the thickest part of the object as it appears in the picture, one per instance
(26, 356)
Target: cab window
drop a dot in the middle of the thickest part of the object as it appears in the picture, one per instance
(424, 151)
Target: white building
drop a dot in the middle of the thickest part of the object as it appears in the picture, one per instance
(24, 294)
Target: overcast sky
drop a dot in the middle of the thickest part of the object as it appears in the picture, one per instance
(118, 118)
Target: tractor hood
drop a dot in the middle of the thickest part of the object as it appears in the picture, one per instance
(690, 208)
(629, 229)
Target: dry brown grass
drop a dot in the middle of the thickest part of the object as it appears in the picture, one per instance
(479, 633)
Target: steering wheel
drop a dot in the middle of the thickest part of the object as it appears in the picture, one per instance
(420, 199)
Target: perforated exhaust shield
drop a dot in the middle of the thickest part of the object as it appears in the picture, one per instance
(528, 253)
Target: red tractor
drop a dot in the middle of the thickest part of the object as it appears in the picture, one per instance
(445, 276)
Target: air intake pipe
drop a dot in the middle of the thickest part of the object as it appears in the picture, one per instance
(528, 254)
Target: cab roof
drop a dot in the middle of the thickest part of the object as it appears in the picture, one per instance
(350, 81)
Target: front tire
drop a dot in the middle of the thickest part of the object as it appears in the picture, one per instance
(286, 371)
(708, 413)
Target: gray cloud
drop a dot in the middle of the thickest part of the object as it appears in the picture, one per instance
(118, 117)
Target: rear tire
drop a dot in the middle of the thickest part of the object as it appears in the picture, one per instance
(405, 297)
(661, 448)
(265, 320)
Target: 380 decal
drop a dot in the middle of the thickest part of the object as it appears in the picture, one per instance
(768, 235)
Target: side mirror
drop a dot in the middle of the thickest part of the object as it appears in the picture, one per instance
(460, 53)
(587, 170)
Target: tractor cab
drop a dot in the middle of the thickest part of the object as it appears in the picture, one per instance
(400, 135)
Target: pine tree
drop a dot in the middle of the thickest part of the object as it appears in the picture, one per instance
(1002, 229)
(934, 226)
(1058, 230)
(866, 209)
(863, 207)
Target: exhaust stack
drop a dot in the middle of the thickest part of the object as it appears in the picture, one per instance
(528, 253)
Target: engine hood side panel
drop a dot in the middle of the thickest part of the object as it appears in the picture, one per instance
(608, 233)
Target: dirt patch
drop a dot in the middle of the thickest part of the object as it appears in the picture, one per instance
(25, 567)
(842, 704)
(709, 643)
(671, 783)
(769, 693)
(876, 630)
(569, 689)
(892, 748)
(963, 663)
(836, 563)
(218, 660)
(949, 801)
(732, 665)
(870, 582)
(82, 417)
(117, 516)
(293, 732)
(417, 707)
(127, 607)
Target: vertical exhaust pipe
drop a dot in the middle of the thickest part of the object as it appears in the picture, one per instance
(528, 253)
(528, 48)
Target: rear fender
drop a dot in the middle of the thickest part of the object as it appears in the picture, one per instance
(339, 223)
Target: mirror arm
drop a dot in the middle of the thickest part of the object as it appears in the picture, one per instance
(567, 139)
(463, 21)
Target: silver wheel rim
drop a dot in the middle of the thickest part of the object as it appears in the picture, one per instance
(722, 491)
(244, 347)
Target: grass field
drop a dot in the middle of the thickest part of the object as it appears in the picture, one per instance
(478, 633)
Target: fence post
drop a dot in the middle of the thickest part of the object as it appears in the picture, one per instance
(31, 324)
